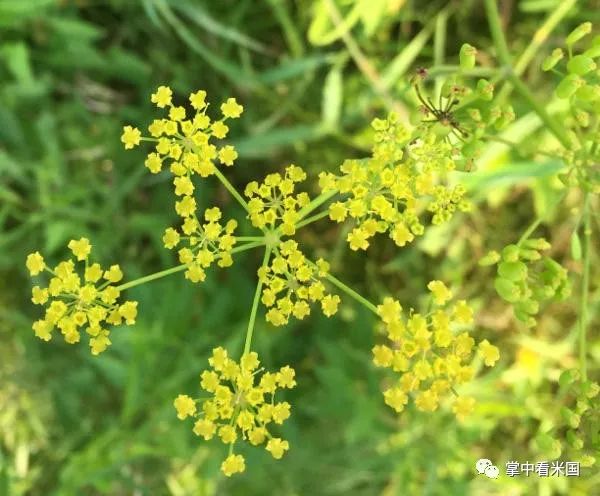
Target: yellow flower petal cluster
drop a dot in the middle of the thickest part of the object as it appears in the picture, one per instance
(431, 353)
(184, 141)
(205, 242)
(273, 202)
(74, 301)
(241, 405)
(292, 283)
(388, 191)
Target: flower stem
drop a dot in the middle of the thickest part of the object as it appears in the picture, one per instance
(583, 307)
(312, 219)
(532, 227)
(231, 189)
(178, 268)
(317, 202)
(504, 56)
(257, 293)
(151, 277)
(353, 294)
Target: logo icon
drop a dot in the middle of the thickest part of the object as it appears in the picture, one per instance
(487, 468)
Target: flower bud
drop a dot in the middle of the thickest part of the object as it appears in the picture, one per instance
(467, 56)
(485, 89)
(510, 253)
(490, 258)
(507, 289)
(513, 271)
(570, 417)
(580, 65)
(578, 33)
(551, 60)
(568, 86)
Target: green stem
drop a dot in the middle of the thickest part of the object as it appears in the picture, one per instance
(151, 277)
(312, 219)
(249, 238)
(504, 56)
(231, 189)
(532, 227)
(316, 203)
(257, 293)
(179, 268)
(350, 292)
(583, 307)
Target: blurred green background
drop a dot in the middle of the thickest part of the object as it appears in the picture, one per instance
(72, 73)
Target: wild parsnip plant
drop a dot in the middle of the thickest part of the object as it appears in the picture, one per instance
(411, 180)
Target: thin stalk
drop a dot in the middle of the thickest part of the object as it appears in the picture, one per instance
(255, 302)
(504, 56)
(532, 227)
(312, 219)
(178, 268)
(316, 203)
(350, 292)
(151, 277)
(363, 63)
(583, 306)
(231, 189)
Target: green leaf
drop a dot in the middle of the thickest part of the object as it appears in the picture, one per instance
(332, 97)
(575, 246)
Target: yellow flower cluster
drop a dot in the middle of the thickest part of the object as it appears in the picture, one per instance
(241, 405)
(432, 353)
(76, 302)
(206, 242)
(274, 200)
(292, 282)
(184, 141)
(387, 192)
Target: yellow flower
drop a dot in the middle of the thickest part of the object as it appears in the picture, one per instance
(441, 294)
(205, 428)
(131, 137)
(463, 312)
(330, 304)
(185, 406)
(430, 358)
(227, 155)
(489, 352)
(113, 274)
(231, 108)
(80, 248)
(396, 398)
(463, 406)
(277, 447)
(237, 407)
(162, 96)
(177, 114)
(87, 303)
(35, 263)
(198, 99)
(233, 464)
(382, 356)
(273, 203)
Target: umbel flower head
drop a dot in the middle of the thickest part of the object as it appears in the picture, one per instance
(207, 242)
(74, 302)
(292, 282)
(182, 140)
(273, 202)
(431, 353)
(388, 191)
(241, 406)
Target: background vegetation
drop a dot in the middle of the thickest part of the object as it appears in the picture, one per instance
(73, 72)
